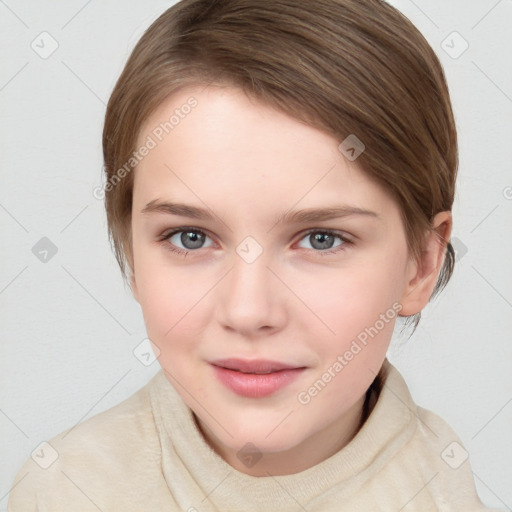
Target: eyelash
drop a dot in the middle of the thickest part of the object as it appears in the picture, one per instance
(172, 248)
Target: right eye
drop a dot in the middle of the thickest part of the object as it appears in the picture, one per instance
(191, 239)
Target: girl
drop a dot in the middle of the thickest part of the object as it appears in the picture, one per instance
(279, 184)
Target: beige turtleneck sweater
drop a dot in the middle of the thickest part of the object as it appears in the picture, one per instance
(147, 454)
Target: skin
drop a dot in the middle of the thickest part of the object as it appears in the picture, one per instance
(249, 165)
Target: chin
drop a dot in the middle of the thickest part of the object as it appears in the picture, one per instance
(264, 438)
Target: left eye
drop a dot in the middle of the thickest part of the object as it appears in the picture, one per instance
(190, 239)
(185, 240)
(324, 240)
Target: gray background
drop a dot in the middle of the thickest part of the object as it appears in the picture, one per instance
(69, 327)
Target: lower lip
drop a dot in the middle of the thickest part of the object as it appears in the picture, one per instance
(254, 385)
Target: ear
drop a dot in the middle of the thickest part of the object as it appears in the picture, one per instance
(133, 286)
(422, 274)
(131, 273)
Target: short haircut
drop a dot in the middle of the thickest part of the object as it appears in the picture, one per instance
(347, 67)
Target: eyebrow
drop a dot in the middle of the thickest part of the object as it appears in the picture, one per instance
(297, 216)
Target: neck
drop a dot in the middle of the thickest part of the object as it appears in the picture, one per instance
(312, 451)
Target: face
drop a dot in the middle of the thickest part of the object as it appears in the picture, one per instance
(271, 317)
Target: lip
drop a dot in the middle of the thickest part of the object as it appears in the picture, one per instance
(256, 378)
(253, 365)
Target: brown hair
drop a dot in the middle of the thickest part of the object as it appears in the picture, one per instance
(344, 66)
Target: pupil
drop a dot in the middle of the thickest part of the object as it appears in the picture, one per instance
(191, 238)
(323, 239)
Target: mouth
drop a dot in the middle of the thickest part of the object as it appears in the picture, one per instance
(255, 378)
(255, 366)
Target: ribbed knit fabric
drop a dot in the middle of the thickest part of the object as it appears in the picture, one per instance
(147, 454)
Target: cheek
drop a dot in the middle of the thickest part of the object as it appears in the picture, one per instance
(172, 300)
(361, 309)
(165, 304)
(158, 291)
(349, 300)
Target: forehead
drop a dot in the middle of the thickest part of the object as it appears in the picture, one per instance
(209, 115)
(228, 145)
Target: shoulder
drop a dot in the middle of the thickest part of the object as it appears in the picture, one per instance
(71, 467)
(441, 457)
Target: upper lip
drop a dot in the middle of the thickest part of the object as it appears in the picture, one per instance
(253, 365)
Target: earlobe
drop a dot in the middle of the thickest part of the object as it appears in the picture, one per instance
(133, 286)
(422, 274)
(130, 265)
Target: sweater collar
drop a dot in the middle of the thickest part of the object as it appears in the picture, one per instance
(192, 468)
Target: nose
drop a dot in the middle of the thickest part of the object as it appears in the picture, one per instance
(251, 298)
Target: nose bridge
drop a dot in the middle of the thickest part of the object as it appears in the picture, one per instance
(251, 273)
(250, 276)
(250, 297)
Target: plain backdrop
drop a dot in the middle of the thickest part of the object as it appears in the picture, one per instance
(69, 326)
